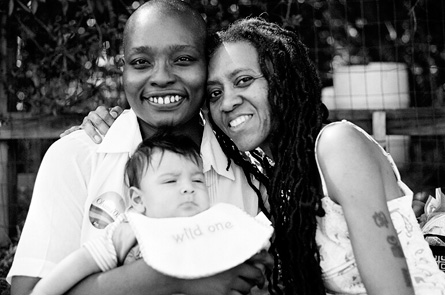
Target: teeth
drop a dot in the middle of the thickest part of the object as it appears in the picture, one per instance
(165, 99)
(239, 120)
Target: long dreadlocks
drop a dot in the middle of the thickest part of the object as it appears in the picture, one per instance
(293, 183)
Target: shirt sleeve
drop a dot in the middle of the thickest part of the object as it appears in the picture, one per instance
(53, 225)
(102, 249)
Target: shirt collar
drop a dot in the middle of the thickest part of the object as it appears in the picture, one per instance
(213, 156)
(123, 136)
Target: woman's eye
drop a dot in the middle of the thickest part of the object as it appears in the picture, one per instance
(214, 95)
(185, 60)
(243, 81)
(139, 63)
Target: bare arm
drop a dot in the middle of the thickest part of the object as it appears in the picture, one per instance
(360, 179)
(73, 269)
(136, 278)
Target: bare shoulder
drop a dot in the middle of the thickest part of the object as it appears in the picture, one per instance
(342, 139)
(351, 162)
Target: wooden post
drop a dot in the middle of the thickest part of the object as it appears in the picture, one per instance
(379, 127)
(4, 185)
(4, 216)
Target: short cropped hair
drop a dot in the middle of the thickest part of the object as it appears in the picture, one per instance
(139, 162)
(171, 7)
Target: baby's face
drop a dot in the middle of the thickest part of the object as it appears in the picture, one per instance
(173, 186)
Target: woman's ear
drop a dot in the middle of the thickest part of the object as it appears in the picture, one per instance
(136, 200)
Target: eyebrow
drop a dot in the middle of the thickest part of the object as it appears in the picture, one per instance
(177, 47)
(231, 75)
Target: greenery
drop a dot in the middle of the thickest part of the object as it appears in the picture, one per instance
(64, 56)
(6, 257)
(68, 52)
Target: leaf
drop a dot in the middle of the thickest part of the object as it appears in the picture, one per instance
(11, 7)
(64, 6)
(100, 6)
(34, 6)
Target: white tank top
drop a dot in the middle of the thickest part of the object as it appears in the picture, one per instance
(340, 272)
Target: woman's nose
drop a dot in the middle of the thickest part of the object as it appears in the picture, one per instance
(162, 75)
(230, 100)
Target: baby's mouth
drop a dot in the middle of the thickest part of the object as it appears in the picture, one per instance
(164, 100)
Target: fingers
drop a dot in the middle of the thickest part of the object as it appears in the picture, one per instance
(116, 111)
(97, 122)
(90, 130)
(102, 119)
(70, 130)
(262, 260)
(241, 286)
(248, 274)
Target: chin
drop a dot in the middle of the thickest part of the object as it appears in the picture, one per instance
(188, 214)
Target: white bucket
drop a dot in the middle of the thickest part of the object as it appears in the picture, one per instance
(372, 86)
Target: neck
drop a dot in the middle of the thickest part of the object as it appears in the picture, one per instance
(193, 129)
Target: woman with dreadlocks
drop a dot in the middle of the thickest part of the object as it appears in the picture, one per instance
(342, 216)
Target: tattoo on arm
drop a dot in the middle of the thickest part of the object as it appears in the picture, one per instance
(380, 219)
(396, 249)
(407, 277)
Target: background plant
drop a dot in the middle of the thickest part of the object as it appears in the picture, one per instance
(64, 56)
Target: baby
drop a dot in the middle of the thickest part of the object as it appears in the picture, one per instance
(166, 188)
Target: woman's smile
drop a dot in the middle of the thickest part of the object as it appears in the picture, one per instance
(238, 94)
(239, 121)
(165, 100)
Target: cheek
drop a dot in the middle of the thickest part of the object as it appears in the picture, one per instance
(129, 82)
(198, 87)
(266, 111)
(216, 115)
(195, 77)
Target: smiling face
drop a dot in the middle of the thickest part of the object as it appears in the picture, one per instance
(165, 68)
(238, 95)
(172, 186)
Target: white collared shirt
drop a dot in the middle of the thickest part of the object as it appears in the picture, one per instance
(80, 187)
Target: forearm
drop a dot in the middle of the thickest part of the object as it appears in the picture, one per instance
(135, 278)
(138, 278)
(381, 263)
(67, 273)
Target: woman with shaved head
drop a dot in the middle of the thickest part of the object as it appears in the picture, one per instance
(80, 185)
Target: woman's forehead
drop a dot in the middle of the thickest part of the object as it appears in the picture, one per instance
(153, 27)
(232, 57)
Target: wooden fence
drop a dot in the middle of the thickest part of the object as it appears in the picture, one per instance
(22, 127)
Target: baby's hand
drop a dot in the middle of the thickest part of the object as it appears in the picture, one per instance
(133, 255)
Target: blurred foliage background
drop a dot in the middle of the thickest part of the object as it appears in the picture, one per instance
(66, 53)
(62, 57)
